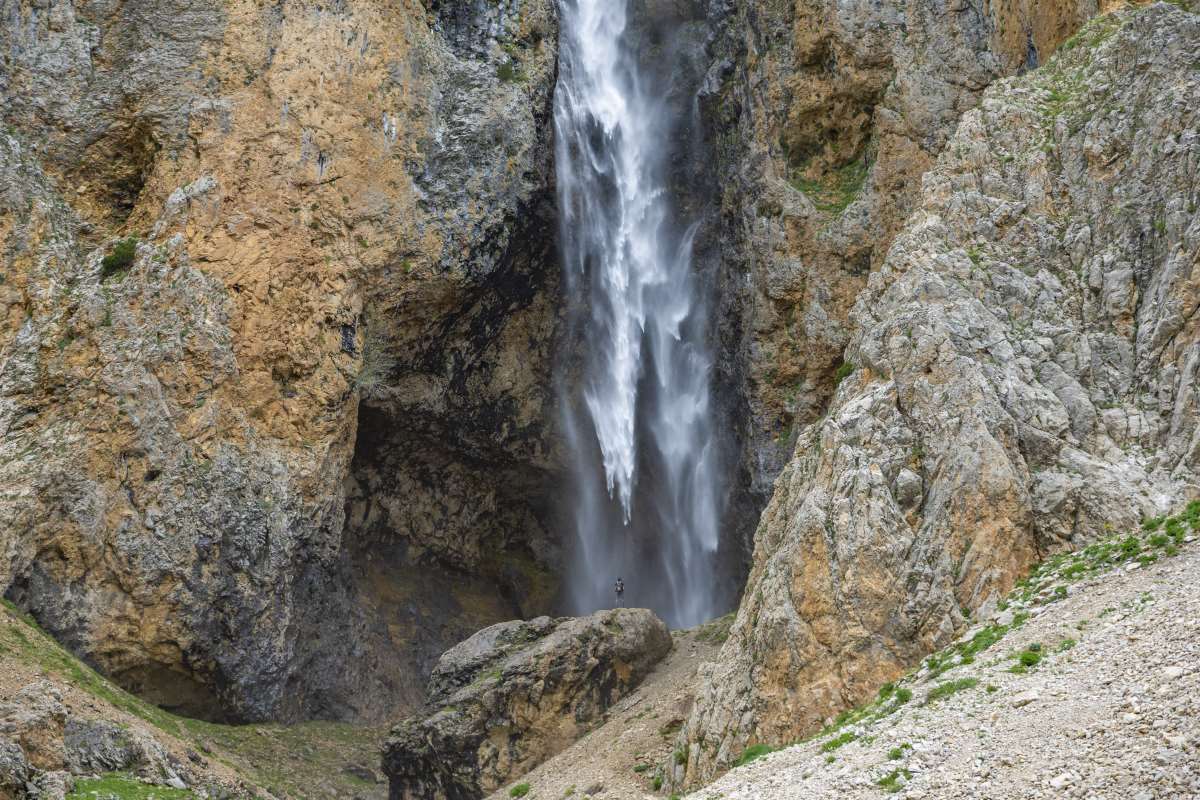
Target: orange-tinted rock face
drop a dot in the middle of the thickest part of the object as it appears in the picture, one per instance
(335, 204)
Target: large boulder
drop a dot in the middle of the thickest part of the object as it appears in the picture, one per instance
(516, 694)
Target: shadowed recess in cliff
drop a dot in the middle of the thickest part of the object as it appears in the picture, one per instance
(637, 406)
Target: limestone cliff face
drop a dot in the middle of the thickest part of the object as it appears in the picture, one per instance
(1025, 378)
(337, 206)
(824, 115)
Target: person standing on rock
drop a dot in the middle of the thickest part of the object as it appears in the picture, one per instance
(619, 588)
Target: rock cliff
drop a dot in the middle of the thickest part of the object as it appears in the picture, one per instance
(822, 116)
(278, 298)
(1021, 377)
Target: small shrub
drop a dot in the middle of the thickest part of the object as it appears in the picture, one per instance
(657, 782)
(1130, 546)
(897, 753)
(843, 372)
(992, 689)
(639, 768)
(1027, 659)
(520, 790)
(753, 753)
(944, 690)
(838, 741)
(377, 362)
(120, 259)
(887, 690)
(680, 757)
(903, 695)
(509, 73)
(894, 781)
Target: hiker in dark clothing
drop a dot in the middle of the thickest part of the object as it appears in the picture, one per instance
(620, 589)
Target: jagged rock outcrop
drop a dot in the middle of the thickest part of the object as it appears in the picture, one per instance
(822, 117)
(515, 694)
(41, 740)
(1025, 379)
(335, 204)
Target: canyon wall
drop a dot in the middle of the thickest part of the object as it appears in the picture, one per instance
(278, 302)
(823, 116)
(1021, 374)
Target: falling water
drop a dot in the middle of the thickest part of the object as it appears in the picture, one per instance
(646, 499)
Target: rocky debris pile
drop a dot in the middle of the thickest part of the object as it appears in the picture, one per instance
(515, 694)
(1084, 682)
(43, 746)
(1022, 380)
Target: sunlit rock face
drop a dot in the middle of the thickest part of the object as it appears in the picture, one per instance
(1023, 381)
(338, 207)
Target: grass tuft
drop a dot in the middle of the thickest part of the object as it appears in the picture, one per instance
(944, 690)
(753, 753)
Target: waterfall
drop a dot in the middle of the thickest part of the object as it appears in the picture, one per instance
(647, 495)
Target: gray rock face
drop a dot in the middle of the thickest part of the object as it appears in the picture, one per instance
(515, 694)
(1025, 379)
(105, 91)
(14, 770)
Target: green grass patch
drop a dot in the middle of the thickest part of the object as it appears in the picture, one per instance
(753, 753)
(844, 371)
(837, 189)
(117, 786)
(509, 72)
(944, 690)
(841, 740)
(119, 259)
(894, 781)
(716, 631)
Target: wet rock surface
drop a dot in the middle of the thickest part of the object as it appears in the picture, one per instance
(515, 694)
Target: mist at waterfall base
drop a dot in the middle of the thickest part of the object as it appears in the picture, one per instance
(647, 496)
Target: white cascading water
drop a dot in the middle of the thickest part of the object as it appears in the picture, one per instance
(647, 496)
